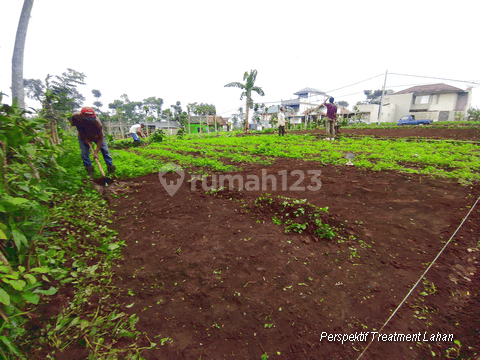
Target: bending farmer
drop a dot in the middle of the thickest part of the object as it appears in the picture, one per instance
(331, 118)
(90, 130)
(137, 129)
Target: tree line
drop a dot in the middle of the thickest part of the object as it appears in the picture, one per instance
(60, 94)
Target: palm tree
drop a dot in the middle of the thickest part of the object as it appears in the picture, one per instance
(17, 59)
(247, 88)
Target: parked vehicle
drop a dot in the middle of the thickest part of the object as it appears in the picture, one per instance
(410, 120)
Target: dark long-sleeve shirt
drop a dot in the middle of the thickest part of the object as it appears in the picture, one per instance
(88, 128)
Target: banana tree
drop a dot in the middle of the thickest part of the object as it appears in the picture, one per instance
(248, 88)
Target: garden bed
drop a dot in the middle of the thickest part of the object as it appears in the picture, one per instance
(249, 272)
(210, 275)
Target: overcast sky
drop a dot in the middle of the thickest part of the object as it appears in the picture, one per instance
(188, 50)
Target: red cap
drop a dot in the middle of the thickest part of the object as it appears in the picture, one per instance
(88, 112)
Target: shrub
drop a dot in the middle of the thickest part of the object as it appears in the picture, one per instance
(158, 136)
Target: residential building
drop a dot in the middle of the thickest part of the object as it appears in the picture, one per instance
(222, 124)
(367, 112)
(170, 127)
(307, 98)
(195, 122)
(438, 102)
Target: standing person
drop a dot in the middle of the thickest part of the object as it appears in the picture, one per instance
(137, 129)
(281, 122)
(90, 130)
(331, 118)
(337, 126)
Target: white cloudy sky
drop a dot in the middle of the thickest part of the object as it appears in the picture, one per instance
(188, 50)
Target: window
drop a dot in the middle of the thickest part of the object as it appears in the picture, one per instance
(423, 99)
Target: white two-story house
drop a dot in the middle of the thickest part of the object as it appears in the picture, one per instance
(307, 98)
(438, 102)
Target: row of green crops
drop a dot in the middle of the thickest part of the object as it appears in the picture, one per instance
(446, 159)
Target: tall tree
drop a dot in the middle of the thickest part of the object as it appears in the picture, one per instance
(131, 111)
(177, 108)
(34, 89)
(373, 96)
(248, 88)
(98, 104)
(18, 51)
(65, 88)
(154, 105)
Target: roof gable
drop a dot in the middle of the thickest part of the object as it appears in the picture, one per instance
(309, 90)
(429, 89)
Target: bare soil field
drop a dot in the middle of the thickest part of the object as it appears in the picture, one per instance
(427, 132)
(213, 276)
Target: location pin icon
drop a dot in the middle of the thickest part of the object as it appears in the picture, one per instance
(172, 187)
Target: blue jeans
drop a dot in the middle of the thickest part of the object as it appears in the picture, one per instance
(85, 151)
(135, 137)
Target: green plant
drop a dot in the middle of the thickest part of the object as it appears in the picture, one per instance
(181, 133)
(454, 351)
(295, 227)
(158, 136)
(27, 155)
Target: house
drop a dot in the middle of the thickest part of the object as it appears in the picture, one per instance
(367, 112)
(438, 102)
(195, 121)
(170, 127)
(222, 124)
(307, 98)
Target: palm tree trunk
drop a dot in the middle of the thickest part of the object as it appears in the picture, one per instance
(246, 115)
(18, 51)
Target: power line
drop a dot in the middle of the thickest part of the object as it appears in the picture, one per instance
(373, 77)
(343, 87)
(437, 78)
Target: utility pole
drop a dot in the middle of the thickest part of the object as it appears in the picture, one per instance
(381, 102)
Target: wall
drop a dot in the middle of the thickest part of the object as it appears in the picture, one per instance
(369, 112)
(446, 102)
(395, 106)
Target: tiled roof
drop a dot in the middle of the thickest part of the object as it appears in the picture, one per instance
(430, 89)
(211, 121)
(309, 90)
(166, 124)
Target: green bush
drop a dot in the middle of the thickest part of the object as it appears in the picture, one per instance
(181, 133)
(158, 136)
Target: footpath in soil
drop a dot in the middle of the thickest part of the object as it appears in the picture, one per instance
(214, 274)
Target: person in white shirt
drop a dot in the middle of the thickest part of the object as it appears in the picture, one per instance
(281, 122)
(136, 130)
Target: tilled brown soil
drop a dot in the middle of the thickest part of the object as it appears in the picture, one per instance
(216, 278)
(427, 132)
(213, 273)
